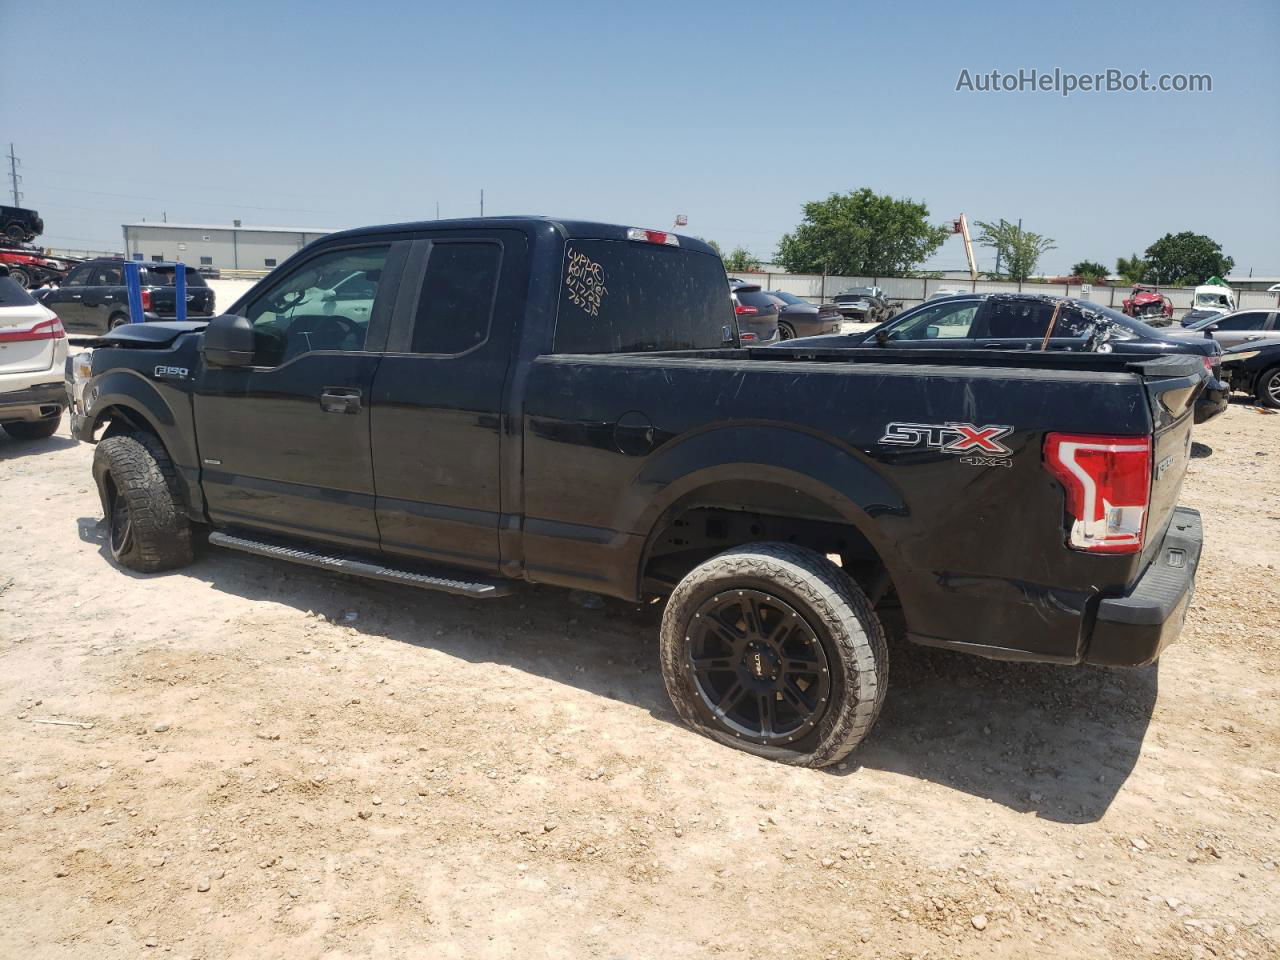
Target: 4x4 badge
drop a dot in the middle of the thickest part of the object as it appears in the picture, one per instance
(958, 438)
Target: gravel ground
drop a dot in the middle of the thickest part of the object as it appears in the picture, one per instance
(273, 762)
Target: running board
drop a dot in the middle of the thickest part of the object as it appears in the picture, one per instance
(476, 589)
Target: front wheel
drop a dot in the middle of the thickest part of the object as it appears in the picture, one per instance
(148, 530)
(1268, 389)
(771, 648)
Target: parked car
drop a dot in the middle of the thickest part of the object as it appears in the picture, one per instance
(798, 317)
(33, 352)
(865, 304)
(1019, 321)
(1233, 329)
(946, 292)
(549, 401)
(1254, 368)
(1148, 303)
(31, 268)
(20, 225)
(93, 297)
(757, 313)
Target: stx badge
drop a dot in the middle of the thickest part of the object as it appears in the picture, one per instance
(979, 446)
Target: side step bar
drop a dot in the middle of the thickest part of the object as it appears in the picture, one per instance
(476, 589)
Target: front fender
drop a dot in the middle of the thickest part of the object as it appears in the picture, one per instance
(162, 408)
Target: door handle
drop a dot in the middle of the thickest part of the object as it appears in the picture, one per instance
(1002, 345)
(340, 400)
(75, 296)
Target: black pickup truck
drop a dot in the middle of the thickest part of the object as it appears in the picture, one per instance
(457, 405)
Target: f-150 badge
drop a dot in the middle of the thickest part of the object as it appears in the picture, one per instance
(979, 446)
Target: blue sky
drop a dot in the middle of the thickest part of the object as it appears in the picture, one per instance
(340, 114)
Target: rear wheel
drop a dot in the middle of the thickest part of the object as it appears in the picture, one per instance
(771, 648)
(15, 233)
(138, 484)
(786, 332)
(117, 320)
(33, 429)
(20, 277)
(1267, 391)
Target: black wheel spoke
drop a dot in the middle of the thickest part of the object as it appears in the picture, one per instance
(764, 703)
(801, 667)
(796, 697)
(732, 697)
(706, 664)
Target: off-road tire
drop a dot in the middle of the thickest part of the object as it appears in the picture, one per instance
(134, 473)
(833, 607)
(33, 429)
(1267, 391)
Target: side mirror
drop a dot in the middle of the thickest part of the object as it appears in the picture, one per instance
(228, 341)
(1212, 328)
(931, 332)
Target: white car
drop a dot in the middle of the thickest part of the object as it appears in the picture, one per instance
(33, 352)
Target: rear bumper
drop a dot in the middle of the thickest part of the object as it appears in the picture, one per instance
(1132, 630)
(37, 402)
(1213, 400)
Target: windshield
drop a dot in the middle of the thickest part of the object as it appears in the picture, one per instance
(1211, 300)
(858, 292)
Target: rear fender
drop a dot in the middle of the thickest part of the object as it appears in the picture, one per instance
(830, 482)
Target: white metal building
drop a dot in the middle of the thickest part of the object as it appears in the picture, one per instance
(226, 247)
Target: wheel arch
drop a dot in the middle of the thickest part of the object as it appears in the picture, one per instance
(805, 488)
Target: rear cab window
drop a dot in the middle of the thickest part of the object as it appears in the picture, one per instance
(164, 277)
(620, 296)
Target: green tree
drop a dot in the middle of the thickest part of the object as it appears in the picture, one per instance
(1017, 250)
(861, 234)
(1131, 269)
(1185, 259)
(1090, 271)
(740, 260)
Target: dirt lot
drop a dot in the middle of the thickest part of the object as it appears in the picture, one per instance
(277, 763)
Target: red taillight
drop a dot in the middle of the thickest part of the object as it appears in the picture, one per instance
(146, 299)
(746, 336)
(44, 330)
(1208, 364)
(742, 310)
(1107, 481)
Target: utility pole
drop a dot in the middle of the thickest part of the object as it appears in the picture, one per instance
(437, 209)
(482, 203)
(1017, 246)
(14, 179)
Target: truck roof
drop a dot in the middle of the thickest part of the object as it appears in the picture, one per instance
(568, 229)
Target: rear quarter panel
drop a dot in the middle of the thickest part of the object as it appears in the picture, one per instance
(977, 552)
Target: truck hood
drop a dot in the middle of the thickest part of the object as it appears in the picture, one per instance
(144, 335)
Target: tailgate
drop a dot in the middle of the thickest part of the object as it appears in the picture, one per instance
(1173, 385)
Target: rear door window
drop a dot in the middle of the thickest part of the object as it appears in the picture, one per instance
(455, 306)
(107, 275)
(620, 296)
